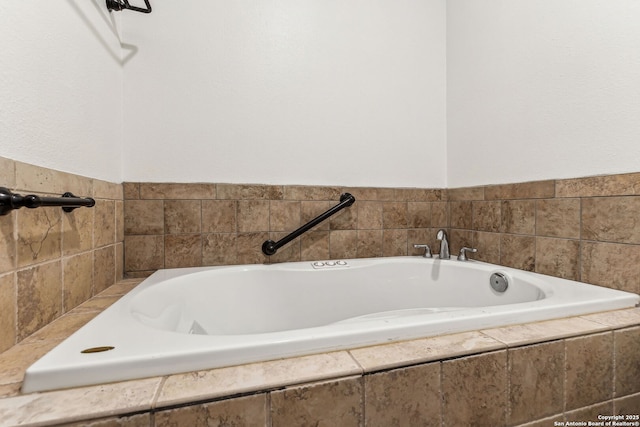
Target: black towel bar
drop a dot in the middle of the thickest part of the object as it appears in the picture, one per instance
(68, 202)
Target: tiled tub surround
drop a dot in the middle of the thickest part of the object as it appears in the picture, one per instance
(543, 226)
(190, 319)
(192, 225)
(583, 229)
(52, 261)
(571, 369)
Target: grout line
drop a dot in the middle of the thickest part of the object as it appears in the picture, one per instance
(614, 357)
(267, 409)
(362, 370)
(508, 409)
(156, 395)
(363, 400)
(564, 380)
(580, 242)
(441, 390)
(16, 325)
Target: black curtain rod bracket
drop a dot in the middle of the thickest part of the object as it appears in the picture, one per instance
(68, 202)
(124, 4)
(270, 247)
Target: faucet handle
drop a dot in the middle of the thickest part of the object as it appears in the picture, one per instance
(463, 253)
(427, 250)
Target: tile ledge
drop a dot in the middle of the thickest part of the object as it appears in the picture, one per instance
(616, 319)
(548, 330)
(43, 340)
(79, 404)
(423, 350)
(257, 377)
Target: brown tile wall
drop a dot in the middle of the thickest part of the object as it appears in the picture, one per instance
(187, 225)
(582, 229)
(52, 261)
(567, 380)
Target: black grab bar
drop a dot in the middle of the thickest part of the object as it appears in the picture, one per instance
(270, 247)
(68, 202)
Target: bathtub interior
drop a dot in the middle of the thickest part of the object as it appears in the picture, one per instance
(293, 296)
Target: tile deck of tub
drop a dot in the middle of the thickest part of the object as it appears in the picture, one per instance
(92, 402)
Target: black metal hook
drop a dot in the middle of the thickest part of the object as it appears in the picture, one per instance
(124, 4)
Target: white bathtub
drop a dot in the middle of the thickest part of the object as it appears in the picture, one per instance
(190, 319)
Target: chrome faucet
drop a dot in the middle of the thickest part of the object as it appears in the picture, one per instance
(463, 253)
(427, 250)
(444, 244)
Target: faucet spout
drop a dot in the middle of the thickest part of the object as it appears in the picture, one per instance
(444, 244)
